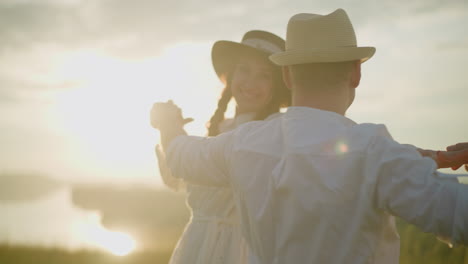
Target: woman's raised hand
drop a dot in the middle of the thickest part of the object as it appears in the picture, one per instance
(167, 115)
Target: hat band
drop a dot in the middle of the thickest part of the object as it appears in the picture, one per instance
(262, 45)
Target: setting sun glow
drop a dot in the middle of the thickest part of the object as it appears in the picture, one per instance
(117, 243)
(96, 235)
(105, 111)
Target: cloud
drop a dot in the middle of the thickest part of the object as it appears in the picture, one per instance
(140, 29)
(15, 187)
(7, 97)
(453, 46)
(25, 25)
(122, 27)
(36, 36)
(18, 90)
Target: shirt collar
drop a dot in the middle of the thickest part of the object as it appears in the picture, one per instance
(309, 112)
(243, 118)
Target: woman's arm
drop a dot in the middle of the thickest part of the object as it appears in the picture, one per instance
(166, 173)
(167, 118)
(193, 159)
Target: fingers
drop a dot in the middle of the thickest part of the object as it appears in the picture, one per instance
(187, 120)
(426, 152)
(459, 146)
(167, 114)
(461, 155)
(159, 152)
(161, 104)
(453, 159)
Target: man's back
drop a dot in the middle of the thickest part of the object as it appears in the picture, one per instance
(312, 186)
(308, 191)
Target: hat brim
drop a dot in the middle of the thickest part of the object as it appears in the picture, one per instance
(225, 53)
(292, 57)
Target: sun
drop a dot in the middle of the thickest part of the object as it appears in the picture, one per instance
(118, 243)
(105, 114)
(94, 234)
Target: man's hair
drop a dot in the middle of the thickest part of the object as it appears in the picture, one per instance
(319, 76)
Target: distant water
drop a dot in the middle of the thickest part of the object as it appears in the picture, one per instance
(52, 221)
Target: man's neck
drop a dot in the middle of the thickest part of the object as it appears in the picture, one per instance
(337, 103)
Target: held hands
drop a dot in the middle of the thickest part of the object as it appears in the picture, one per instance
(456, 155)
(167, 116)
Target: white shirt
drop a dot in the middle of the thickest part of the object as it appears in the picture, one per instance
(314, 187)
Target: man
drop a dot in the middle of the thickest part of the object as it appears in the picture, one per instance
(312, 186)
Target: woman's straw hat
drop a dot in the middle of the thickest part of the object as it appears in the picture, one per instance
(224, 54)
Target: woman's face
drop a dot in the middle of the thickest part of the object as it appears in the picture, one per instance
(252, 83)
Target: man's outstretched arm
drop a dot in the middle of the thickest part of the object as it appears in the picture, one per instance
(410, 187)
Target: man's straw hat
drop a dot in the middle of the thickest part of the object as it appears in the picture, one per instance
(313, 38)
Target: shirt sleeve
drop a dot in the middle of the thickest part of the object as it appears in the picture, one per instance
(200, 160)
(409, 187)
(167, 177)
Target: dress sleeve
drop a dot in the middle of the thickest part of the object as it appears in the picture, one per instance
(409, 187)
(166, 173)
(199, 160)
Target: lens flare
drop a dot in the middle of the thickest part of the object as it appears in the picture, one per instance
(341, 148)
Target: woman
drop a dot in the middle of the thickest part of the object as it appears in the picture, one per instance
(213, 234)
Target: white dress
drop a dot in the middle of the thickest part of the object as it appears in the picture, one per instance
(213, 233)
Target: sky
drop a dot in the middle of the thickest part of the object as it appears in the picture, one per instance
(77, 78)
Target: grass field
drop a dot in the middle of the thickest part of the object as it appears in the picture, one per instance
(158, 217)
(416, 247)
(37, 255)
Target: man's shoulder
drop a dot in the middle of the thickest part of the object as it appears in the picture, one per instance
(259, 124)
(253, 127)
(360, 137)
(258, 131)
(370, 129)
